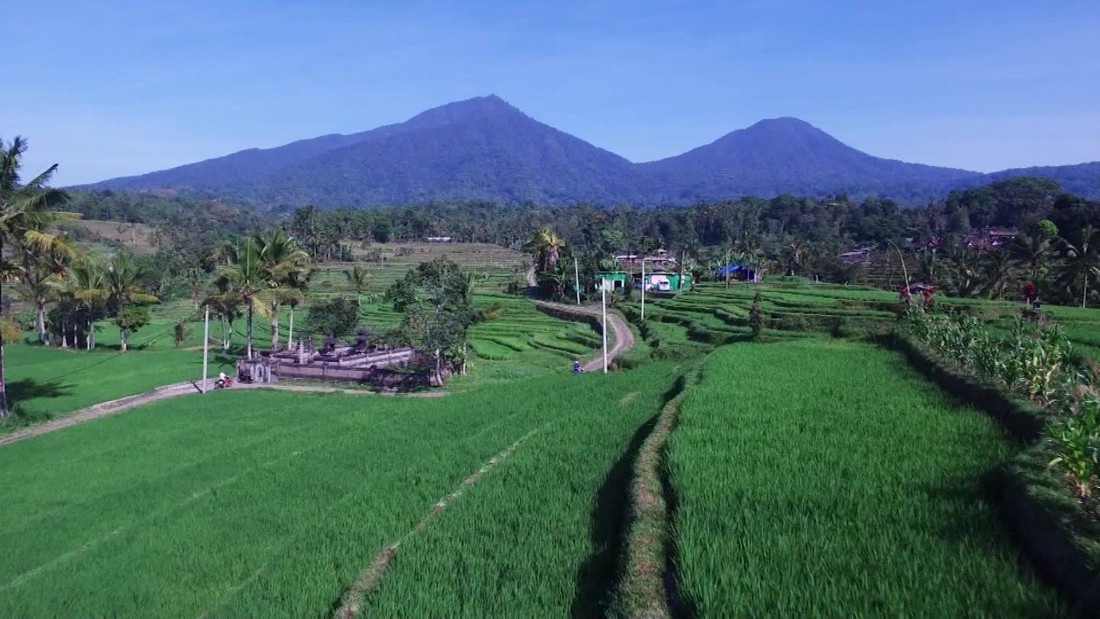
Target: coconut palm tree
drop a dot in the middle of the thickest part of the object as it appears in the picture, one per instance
(122, 279)
(1081, 260)
(794, 255)
(296, 284)
(87, 284)
(359, 279)
(43, 276)
(280, 259)
(244, 281)
(546, 247)
(1032, 251)
(25, 214)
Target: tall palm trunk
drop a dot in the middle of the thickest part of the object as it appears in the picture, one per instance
(40, 311)
(274, 326)
(122, 339)
(248, 333)
(290, 331)
(3, 389)
(1085, 293)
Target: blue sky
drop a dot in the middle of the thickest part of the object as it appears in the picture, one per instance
(112, 88)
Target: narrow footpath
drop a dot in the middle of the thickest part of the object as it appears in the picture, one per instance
(620, 336)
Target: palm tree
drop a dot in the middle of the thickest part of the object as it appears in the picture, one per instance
(224, 303)
(546, 246)
(359, 279)
(794, 254)
(122, 278)
(1031, 251)
(998, 267)
(24, 215)
(44, 276)
(281, 259)
(1081, 260)
(244, 280)
(296, 284)
(87, 284)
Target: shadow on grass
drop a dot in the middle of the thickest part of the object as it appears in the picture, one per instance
(29, 388)
(598, 575)
(18, 392)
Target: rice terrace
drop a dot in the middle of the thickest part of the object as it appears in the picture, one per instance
(284, 333)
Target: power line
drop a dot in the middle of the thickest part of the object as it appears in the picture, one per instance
(114, 356)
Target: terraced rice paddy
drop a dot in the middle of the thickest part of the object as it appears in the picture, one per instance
(823, 478)
(269, 504)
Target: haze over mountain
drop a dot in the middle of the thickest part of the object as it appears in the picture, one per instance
(485, 149)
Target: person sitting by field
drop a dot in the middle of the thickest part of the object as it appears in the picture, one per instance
(577, 367)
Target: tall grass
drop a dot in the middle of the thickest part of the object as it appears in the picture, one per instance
(822, 478)
(269, 504)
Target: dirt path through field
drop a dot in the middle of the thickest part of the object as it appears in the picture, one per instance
(112, 407)
(101, 410)
(622, 338)
(370, 578)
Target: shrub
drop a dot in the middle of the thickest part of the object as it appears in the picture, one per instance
(335, 317)
(756, 316)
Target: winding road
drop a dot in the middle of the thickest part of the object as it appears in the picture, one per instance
(622, 338)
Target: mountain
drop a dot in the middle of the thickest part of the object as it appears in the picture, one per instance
(788, 155)
(486, 149)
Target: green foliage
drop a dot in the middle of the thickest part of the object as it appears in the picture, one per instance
(756, 317)
(828, 463)
(336, 317)
(180, 331)
(1076, 441)
(434, 301)
(132, 317)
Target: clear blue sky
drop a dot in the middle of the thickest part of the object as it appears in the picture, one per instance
(112, 87)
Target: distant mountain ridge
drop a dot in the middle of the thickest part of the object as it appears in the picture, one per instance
(486, 149)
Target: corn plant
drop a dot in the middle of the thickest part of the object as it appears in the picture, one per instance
(1076, 441)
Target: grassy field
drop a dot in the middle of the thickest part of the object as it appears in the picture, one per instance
(713, 313)
(270, 504)
(522, 342)
(824, 478)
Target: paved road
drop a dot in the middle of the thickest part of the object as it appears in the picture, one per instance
(620, 339)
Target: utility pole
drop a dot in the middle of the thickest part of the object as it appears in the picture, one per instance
(205, 346)
(643, 289)
(603, 304)
(577, 279)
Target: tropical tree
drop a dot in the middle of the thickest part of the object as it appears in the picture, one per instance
(124, 292)
(25, 214)
(434, 301)
(43, 277)
(359, 279)
(225, 304)
(280, 259)
(244, 281)
(87, 285)
(1081, 260)
(546, 247)
(1032, 250)
(295, 286)
(794, 255)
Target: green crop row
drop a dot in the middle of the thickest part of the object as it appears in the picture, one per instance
(270, 504)
(540, 535)
(822, 478)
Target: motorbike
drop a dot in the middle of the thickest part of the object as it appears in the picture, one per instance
(222, 384)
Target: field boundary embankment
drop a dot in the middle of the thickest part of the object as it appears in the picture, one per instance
(1035, 504)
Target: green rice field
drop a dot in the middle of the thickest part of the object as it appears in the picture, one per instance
(270, 504)
(821, 478)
